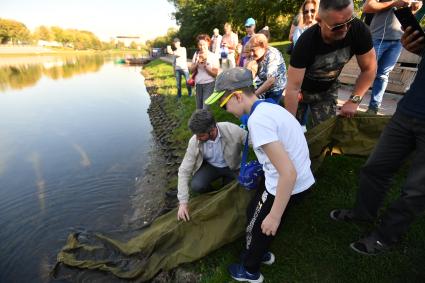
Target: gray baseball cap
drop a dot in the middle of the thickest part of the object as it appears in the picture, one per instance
(229, 81)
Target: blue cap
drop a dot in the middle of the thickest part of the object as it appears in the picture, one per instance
(250, 22)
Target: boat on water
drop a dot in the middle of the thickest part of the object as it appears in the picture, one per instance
(137, 61)
(120, 61)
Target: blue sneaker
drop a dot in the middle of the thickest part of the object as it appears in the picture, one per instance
(268, 258)
(239, 273)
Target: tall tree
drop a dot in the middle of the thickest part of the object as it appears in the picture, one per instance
(13, 31)
(43, 33)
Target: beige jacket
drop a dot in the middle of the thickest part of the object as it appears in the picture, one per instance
(233, 139)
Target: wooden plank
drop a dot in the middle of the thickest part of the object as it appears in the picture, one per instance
(399, 80)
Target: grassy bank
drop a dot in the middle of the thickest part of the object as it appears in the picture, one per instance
(310, 247)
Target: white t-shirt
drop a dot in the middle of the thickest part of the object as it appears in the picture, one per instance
(269, 123)
(213, 152)
(202, 77)
(180, 59)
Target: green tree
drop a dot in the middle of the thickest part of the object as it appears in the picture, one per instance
(164, 40)
(202, 16)
(133, 45)
(43, 33)
(13, 31)
(58, 34)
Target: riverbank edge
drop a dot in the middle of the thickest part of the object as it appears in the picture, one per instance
(169, 151)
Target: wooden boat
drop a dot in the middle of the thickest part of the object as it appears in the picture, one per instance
(137, 61)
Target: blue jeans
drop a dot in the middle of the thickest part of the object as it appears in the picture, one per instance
(387, 54)
(179, 74)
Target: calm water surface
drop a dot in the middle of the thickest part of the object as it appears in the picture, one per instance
(74, 136)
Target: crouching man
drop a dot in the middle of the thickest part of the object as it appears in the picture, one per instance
(213, 152)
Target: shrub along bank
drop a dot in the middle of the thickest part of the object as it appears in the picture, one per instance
(310, 246)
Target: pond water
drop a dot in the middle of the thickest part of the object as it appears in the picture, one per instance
(74, 138)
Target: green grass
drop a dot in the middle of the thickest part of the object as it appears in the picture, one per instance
(310, 247)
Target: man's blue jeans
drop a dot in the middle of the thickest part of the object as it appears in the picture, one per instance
(387, 53)
(179, 74)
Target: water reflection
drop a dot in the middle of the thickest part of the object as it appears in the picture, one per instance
(85, 160)
(40, 183)
(71, 148)
(28, 72)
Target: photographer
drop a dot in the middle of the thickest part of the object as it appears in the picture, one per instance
(205, 64)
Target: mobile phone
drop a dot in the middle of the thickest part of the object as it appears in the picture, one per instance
(407, 19)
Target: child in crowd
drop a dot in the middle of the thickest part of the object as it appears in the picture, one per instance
(281, 148)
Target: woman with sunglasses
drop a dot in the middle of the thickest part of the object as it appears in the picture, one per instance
(308, 11)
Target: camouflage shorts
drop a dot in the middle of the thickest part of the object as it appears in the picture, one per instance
(322, 105)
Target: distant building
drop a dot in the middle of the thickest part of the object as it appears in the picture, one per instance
(127, 40)
(44, 43)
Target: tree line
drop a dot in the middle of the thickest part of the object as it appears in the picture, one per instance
(14, 32)
(202, 16)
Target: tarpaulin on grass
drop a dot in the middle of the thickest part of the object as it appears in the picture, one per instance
(217, 218)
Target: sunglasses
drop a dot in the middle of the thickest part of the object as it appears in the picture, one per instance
(224, 102)
(340, 26)
(312, 11)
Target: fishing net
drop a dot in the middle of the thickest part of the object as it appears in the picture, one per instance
(217, 218)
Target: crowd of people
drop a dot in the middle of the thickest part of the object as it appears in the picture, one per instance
(276, 102)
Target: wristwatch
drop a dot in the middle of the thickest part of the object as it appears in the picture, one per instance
(355, 99)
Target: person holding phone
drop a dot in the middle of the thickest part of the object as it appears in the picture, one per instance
(403, 135)
(386, 33)
(206, 65)
(180, 66)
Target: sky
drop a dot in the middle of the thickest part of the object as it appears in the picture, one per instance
(105, 18)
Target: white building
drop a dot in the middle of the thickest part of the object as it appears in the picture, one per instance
(127, 40)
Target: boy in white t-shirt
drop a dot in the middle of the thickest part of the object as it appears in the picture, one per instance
(281, 148)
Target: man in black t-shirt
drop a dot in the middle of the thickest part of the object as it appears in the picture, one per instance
(318, 58)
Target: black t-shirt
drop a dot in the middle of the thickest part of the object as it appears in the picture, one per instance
(323, 62)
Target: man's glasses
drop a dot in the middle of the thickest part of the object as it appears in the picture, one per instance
(340, 26)
(311, 11)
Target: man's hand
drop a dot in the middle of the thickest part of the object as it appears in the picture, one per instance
(270, 225)
(401, 3)
(412, 42)
(183, 213)
(349, 109)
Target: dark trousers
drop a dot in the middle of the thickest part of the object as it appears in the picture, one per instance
(402, 136)
(206, 174)
(257, 243)
(203, 91)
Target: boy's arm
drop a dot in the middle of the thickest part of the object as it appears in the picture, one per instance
(287, 177)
